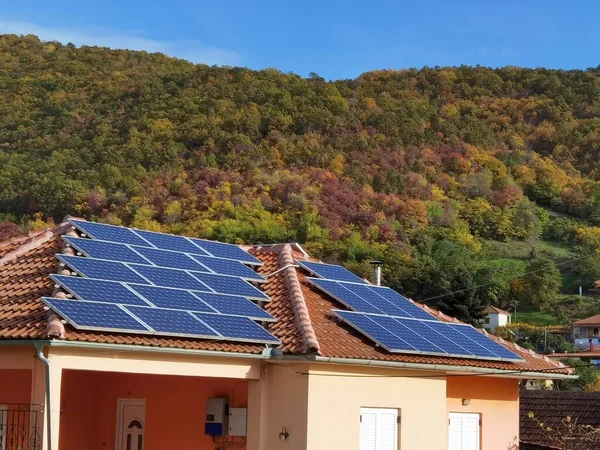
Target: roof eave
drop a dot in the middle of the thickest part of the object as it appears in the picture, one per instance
(446, 368)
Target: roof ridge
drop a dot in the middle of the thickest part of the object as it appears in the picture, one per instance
(301, 315)
(33, 241)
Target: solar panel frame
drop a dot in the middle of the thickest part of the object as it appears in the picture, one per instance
(67, 310)
(473, 350)
(85, 247)
(81, 292)
(232, 304)
(328, 272)
(172, 322)
(171, 298)
(215, 283)
(347, 298)
(103, 232)
(169, 259)
(236, 268)
(232, 327)
(78, 263)
(172, 242)
(226, 251)
(167, 277)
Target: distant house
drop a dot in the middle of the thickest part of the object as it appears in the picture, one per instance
(586, 332)
(121, 339)
(495, 317)
(551, 408)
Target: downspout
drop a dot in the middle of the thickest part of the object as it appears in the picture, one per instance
(47, 409)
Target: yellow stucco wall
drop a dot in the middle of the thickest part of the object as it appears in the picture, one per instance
(497, 400)
(336, 394)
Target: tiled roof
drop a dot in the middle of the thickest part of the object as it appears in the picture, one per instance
(551, 408)
(304, 320)
(493, 310)
(593, 320)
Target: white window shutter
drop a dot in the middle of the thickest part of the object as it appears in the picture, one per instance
(463, 432)
(368, 430)
(378, 429)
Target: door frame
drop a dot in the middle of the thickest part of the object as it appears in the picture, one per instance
(121, 403)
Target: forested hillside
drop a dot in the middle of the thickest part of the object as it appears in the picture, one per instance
(454, 177)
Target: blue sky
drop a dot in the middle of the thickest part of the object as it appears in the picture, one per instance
(336, 39)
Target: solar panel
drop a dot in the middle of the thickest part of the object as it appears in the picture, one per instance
(170, 242)
(95, 316)
(227, 251)
(166, 258)
(229, 267)
(331, 272)
(229, 285)
(163, 297)
(99, 290)
(100, 269)
(240, 328)
(430, 337)
(344, 296)
(375, 332)
(105, 250)
(409, 308)
(162, 276)
(107, 232)
(234, 305)
(173, 322)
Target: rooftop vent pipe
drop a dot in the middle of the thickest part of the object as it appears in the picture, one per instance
(376, 272)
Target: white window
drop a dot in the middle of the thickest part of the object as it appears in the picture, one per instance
(463, 432)
(378, 429)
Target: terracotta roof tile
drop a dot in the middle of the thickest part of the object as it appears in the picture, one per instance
(593, 320)
(24, 278)
(551, 407)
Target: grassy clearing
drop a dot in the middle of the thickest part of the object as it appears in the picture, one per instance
(539, 318)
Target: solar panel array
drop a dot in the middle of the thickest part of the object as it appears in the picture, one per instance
(397, 324)
(144, 282)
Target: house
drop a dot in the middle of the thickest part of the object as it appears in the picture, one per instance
(552, 408)
(495, 317)
(586, 332)
(82, 374)
(590, 355)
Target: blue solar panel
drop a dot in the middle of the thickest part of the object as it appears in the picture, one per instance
(431, 337)
(103, 270)
(227, 251)
(171, 321)
(99, 290)
(176, 278)
(171, 298)
(170, 259)
(105, 250)
(234, 305)
(343, 295)
(110, 233)
(170, 242)
(239, 328)
(331, 272)
(229, 285)
(484, 341)
(96, 316)
(409, 309)
(452, 333)
(229, 267)
(376, 332)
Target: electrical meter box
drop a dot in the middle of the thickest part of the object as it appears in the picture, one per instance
(217, 417)
(237, 422)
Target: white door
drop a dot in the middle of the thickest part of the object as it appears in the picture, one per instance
(378, 429)
(463, 433)
(131, 424)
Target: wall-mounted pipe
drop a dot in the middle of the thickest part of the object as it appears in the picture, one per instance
(39, 350)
